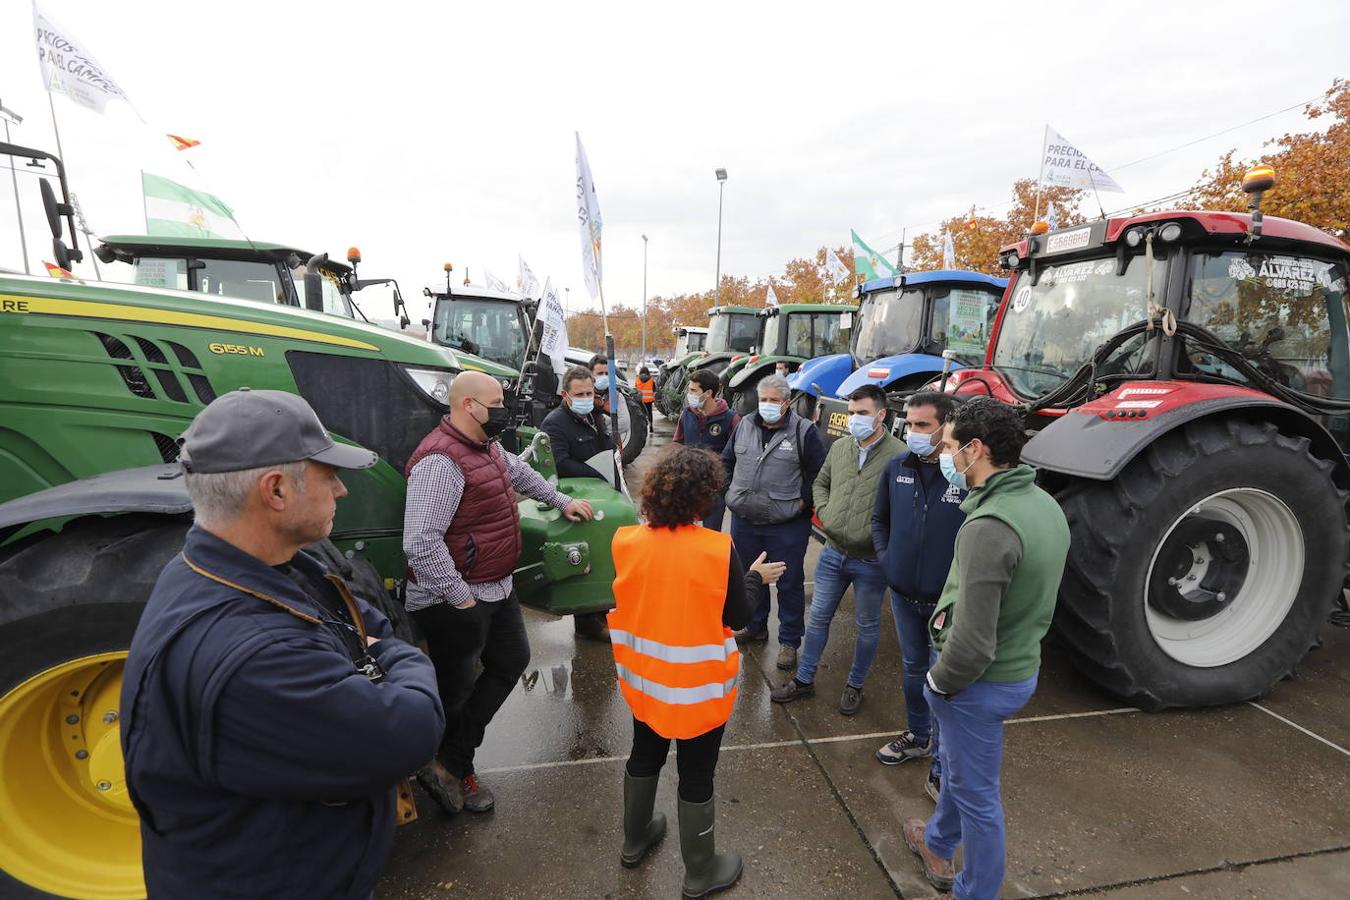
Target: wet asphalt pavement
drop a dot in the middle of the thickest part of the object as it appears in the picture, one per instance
(1246, 801)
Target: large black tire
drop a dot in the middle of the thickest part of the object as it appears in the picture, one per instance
(1184, 516)
(636, 438)
(670, 398)
(744, 398)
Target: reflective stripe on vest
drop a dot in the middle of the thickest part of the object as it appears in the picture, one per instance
(677, 663)
(647, 389)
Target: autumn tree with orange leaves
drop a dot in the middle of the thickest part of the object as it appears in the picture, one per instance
(1312, 171)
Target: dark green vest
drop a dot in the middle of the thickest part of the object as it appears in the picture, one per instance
(1012, 497)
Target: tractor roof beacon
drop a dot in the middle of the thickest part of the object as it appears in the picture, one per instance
(1188, 378)
(99, 380)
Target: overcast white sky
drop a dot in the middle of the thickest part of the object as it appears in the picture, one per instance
(427, 132)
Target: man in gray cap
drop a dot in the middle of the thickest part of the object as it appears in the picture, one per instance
(268, 714)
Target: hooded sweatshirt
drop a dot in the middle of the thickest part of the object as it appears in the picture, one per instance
(710, 431)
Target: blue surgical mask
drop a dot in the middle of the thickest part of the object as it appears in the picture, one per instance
(947, 463)
(770, 412)
(583, 406)
(602, 383)
(919, 444)
(861, 427)
(693, 401)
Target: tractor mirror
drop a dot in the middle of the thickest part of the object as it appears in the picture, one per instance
(61, 253)
(314, 282)
(54, 208)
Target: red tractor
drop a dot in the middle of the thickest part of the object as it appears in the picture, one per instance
(1187, 377)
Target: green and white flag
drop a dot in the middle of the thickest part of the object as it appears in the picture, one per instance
(176, 210)
(869, 263)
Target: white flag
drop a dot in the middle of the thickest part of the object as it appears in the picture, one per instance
(1051, 217)
(1065, 166)
(836, 269)
(553, 341)
(526, 283)
(588, 218)
(68, 69)
(495, 283)
(948, 251)
(770, 299)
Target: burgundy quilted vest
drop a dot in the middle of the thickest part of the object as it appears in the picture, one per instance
(484, 535)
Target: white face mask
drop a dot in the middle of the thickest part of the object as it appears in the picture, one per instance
(693, 401)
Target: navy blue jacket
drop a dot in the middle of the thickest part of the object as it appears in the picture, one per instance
(914, 525)
(262, 762)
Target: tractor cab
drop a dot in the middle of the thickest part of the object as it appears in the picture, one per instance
(905, 323)
(1186, 377)
(246, 270)
(481, 321)
(689, 339)
(732, 331)
(793, 334)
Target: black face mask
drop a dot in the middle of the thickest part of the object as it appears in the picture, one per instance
(498, 418)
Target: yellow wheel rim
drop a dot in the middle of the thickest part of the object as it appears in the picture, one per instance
(67, 826)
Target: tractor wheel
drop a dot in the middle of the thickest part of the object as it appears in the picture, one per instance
(1202, 574)
(744, 399)
(636, 437)
(69, 604)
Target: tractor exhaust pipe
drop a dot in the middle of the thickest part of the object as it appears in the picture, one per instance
(947, 357)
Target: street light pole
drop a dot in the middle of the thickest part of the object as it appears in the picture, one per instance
(644, 298)
(721, 185)
(10, 116)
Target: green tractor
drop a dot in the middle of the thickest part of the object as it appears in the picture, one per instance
(501, 328)
(732, 330)
(97, 380)
(792, 333)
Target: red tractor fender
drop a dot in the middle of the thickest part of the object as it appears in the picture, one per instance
(1098, 439)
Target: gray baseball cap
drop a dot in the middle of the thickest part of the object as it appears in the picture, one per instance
(248, 429)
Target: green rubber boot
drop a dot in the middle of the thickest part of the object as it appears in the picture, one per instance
(641, 829)
(705, 870)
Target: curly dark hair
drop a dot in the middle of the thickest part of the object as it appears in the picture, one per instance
(680, 486)
(996, 424)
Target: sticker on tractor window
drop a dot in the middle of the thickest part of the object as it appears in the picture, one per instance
(1022, 299)
(1284, 273)
(1075, 272)
(968, 312)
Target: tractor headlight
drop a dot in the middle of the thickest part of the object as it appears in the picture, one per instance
(1134, 237)
(1010, 260)
(1170, 232)
(435, 383)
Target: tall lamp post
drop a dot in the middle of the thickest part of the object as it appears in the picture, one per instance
(721, 186)
(8, 115)
(644, 299)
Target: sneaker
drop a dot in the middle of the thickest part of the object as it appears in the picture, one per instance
(904, 747)
(787, 659)
(792, 690)
(752, 635)
(477, 799)
(932, 785)
(850, 701)
(448, 793)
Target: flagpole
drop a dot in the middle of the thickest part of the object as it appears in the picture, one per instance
(1040, 173)
(59, 152)
(613, 370)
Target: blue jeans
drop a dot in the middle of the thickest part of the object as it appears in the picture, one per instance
(834, 573)
(786, 543)
(970, 807)
(911, 626)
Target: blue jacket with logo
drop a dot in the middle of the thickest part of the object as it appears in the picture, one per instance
(262, 761)
(914, 525)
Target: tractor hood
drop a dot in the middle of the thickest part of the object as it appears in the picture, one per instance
(825, 371)
(890, 369)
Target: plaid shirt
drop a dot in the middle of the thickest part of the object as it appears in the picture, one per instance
(435, 488)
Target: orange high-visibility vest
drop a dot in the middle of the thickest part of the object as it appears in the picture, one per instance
(647, 389)
(677, 662)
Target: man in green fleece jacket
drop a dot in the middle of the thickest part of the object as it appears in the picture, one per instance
(845, 492)
(988, 624)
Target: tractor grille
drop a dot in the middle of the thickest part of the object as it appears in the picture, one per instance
(167, 446)
(152, 367)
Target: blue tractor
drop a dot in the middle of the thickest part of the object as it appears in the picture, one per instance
(905, 322)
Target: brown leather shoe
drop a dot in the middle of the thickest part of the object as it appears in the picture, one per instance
(592, 627)
(940, 872)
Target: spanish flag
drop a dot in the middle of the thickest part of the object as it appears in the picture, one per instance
(182, 143)
(56, 271)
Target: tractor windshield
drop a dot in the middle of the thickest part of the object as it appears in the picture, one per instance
(735, 332)
(492, 329)
(817, 334)
(1286, 314)
(697, 341)
(889, 323)
(1052, 327)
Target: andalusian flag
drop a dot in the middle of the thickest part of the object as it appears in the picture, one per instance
(867, 262)
(179, 211)
(182, 143)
